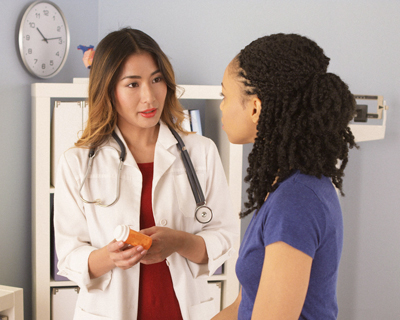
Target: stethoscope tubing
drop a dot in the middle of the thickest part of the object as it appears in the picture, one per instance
(194, 181)
(92, 155)
(203, 214)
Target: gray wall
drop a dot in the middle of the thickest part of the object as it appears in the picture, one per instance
(361, 38)
(15, 132)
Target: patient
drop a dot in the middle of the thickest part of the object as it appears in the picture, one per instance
(279, 96)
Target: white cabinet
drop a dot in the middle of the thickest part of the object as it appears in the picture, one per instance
(44, 96)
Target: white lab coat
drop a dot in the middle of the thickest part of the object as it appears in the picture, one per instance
(81, 228)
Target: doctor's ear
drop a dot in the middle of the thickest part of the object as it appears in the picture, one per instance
(255, 109)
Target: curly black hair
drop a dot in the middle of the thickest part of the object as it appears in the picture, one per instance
(304, 117)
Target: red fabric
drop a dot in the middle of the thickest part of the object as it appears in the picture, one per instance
(157, 298)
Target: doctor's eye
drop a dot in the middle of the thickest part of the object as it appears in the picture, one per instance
(158, 79)
(133, 85)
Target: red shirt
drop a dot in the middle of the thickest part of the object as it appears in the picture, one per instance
(157, 299)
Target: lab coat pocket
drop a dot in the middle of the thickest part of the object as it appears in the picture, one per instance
(203, 311)
(184, 193)
(83, 315)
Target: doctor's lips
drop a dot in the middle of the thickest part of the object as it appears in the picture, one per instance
(149, 113)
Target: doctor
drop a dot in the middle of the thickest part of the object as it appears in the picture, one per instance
(132, 91)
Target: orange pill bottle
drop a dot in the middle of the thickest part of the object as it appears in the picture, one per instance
(132, 237)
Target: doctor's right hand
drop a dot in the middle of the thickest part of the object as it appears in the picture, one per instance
(115, 254)
(123, 255)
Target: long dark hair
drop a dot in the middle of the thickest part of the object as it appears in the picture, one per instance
(110, 55)
(304, 118)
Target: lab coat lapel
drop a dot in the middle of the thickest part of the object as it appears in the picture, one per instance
(163, 157)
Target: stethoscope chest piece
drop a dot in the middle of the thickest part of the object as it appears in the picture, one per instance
(203, 214)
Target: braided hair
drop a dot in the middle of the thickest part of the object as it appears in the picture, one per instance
(303, 124)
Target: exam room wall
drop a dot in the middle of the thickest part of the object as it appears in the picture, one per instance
(15, 133)
(363, 41)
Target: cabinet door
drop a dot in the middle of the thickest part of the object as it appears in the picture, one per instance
(63, 301)
(66, 127)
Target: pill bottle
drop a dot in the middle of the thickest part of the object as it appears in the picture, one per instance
(132, 237)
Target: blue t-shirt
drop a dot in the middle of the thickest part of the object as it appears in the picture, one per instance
(305, 213)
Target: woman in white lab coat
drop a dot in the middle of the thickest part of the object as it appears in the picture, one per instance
(132, 91)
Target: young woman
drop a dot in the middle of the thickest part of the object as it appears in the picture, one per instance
(279, 96)
(132, 93)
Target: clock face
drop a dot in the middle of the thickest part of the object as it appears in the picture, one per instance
(43, 39)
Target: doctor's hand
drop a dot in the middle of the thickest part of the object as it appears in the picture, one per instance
(125, 256)
(115, 254)
(167, 241)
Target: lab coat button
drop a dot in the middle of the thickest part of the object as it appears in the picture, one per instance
(163, 222)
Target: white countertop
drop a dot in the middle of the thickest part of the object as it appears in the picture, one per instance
(11, 303)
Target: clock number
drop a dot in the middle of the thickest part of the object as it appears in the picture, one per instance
(28, 37)
(51, 62)
(60, 41)
(32, 25)
(36, 60)
(46, 12)
(58, 29)
(29, 51)
(37, 15)
(43, 66)
(58, 54)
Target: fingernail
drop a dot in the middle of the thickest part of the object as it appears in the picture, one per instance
(139, 248)
(143, 252)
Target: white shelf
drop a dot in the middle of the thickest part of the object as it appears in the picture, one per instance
(42, 94)
(60, 284)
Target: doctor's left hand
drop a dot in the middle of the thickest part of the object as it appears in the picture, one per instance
(166, 241)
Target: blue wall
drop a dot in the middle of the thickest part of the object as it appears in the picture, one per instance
(363, 41)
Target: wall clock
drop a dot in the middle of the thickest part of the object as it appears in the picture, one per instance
(43, 39)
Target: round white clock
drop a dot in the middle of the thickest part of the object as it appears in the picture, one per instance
(43, 39)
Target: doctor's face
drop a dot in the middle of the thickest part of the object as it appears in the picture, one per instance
(237, 110)
(140, 93)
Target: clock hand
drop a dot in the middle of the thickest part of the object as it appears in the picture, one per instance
(44, 39)
(53, 38)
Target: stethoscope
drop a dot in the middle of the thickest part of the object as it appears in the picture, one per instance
(202, 213)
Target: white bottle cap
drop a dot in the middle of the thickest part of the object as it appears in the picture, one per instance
(121, 232)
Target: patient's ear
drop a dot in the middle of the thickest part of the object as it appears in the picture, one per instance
(255, 109)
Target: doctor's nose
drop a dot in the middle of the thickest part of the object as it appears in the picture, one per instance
(147, 94)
